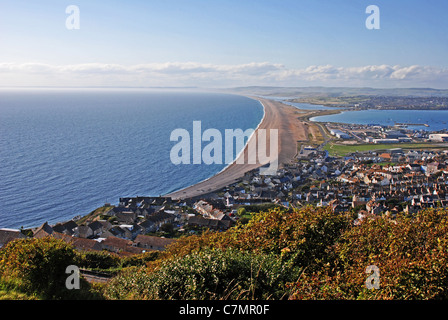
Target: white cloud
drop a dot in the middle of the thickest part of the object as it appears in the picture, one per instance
(409, 72)
(216, 75)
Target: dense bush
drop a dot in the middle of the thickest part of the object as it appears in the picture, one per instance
(38, 266)
(411, 253)
(310, 253)
(211, 265)
(256, 208)
(98, 260)
(210, 274)
(139, 259)
(133, 283)
(108, 261)
(303, 235)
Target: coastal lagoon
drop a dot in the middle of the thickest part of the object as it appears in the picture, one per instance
(435, 119)
(66, 152)
(308, 106)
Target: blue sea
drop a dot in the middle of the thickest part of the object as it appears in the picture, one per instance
(435, 119)
(65, 152)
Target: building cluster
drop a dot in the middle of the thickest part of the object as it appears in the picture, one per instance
(122, 246)
(122, 229)
(127, 227)
(413, 180)
(401, 102)
(379, 134)
(367, 183)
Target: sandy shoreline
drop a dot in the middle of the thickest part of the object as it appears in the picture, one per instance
(278, 116)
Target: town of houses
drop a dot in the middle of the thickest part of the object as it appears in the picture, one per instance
(370, 184)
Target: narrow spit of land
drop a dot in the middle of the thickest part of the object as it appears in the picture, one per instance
(278, 116)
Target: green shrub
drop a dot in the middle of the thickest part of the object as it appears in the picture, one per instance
(210, 274)
(411, 253)
(132, 283)
(98, 260)
(256, 208)
(304, 235)
(37, 266)
(140, 260)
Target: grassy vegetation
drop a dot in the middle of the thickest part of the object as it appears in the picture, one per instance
(315, 135)
(36, 269)
(307, 253)
(246, 212)
(333, 101)
(92, 215)
(342, 150)
(9, 291)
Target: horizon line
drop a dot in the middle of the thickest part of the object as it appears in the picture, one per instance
(223, 88)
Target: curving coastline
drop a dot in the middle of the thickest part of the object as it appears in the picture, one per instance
(276, 116)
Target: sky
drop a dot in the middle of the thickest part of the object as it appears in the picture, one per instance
(224, 43)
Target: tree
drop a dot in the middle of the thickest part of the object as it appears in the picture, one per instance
(39, 266)
(168, 228)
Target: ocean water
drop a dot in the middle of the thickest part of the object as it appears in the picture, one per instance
(66, 152)
(435, 119)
